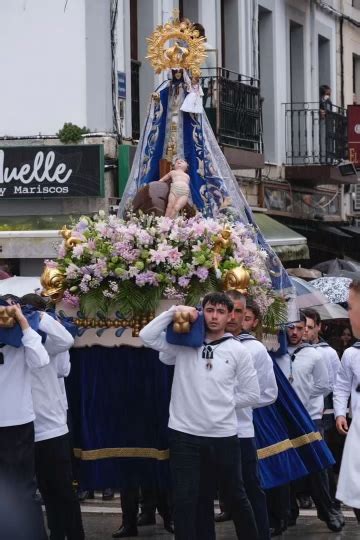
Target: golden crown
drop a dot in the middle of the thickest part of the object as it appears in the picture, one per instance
(186, 50)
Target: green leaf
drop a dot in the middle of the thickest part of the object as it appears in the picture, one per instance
(275, 315)
(93, 302)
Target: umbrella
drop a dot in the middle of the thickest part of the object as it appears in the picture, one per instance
(336, 289)
(305, 273)
(308, 296)
(334, 266)
(19, 285)
(329, 312)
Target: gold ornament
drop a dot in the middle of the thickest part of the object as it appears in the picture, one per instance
(70, 241)
(238, 278)
(7, 317)
(136, 324)
(223, 242)
(53, 283)
(186, 51)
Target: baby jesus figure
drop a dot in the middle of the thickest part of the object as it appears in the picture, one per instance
(179, 188)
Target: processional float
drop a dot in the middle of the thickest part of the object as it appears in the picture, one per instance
(114, 273)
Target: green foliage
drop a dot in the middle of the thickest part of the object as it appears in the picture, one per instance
(132, 300)
(93, 302)
(275, 315)
(198, 289)
(71, 133)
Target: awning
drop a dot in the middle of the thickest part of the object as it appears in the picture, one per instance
(288, 244)
(29, 244)
(351, 229)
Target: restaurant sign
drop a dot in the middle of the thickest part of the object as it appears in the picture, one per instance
(51, 171)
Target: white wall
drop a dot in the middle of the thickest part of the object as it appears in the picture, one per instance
(56, 66)
(98, 66)
(42, 58)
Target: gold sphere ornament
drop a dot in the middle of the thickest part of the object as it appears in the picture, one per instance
(237, 279)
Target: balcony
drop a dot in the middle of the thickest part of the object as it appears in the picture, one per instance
(316, 142)
(233, 105)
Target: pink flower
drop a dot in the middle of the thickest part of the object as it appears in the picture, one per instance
(72, 271)
(71, 299)
(183, 281)
(91, 244)
(62, 250)
(202, 273)
(158, 256)
(51, 264)
(174, 257)
(78, 250)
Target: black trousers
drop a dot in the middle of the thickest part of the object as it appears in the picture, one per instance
(54, 475)
(150, 500)
(251, 478)
(20, 515)
(195, 462)
(278, 506)
(317, 484)
(257, 498)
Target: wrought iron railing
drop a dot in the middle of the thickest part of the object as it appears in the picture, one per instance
(314, 136)
(233, 104)
(135, 99)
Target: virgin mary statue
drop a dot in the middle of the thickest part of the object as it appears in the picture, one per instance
(173, 129)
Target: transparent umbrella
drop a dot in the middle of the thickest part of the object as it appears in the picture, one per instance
(336, 289)
(308, 296)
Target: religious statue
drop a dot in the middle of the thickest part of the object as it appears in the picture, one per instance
(179, 188)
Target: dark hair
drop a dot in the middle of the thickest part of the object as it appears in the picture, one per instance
(233, 294)
(12, 297)
(323, 89)
(216, 298)
(199, 27)
(311, 313)
(355, 285)
(34, 300)
(252, 306)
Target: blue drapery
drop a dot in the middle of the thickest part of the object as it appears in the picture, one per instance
(119, 399)
(119, 402)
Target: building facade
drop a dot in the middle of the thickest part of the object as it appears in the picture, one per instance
(84, 62)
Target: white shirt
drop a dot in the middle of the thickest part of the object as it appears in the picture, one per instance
(203, 400)
(16, 404)
(63, 370)
(348, 378)
(332, 362)
(267, 383)
(309, 372)
(50, 420)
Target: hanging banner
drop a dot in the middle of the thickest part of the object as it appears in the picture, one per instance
(51, 171)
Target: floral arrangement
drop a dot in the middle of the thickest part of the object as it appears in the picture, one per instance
(110, 263)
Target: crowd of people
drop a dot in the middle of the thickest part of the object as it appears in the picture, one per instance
(213, 452)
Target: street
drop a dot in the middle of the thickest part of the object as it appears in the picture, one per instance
(102, 519)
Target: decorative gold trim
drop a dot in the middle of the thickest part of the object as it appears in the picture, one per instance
(306, 439)
(274, 449)
(136, 323)
(163, 455)
(104, 453)
(287, 444)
